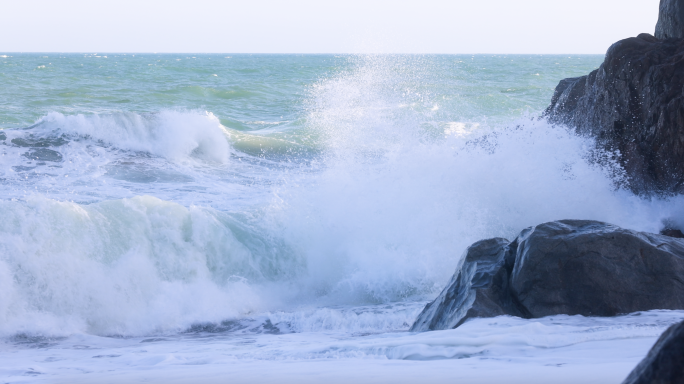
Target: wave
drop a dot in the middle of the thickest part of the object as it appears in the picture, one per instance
(395, 193)
(172, 134)
(357, 319)
(131, 266)
(402, 194)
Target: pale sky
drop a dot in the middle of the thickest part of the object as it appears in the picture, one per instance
(332, 26)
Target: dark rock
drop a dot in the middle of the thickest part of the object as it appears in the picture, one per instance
(590, 268)
(572, 267)
(670, 20)
(3, 136)
(479, 288)
(633, 103)
(664, 363)
(672, 233)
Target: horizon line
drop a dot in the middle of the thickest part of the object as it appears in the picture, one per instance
(280, 53)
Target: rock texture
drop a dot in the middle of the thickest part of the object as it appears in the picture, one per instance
(633, 103)
(479, 288)
(664, 362)
(573, 267)
(670, 20)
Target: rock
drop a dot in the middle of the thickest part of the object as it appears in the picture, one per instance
(633, 103)
(573, 267)
(664, 363)
(670, 20)
(589, 268)
(672, 233)
(477, 289)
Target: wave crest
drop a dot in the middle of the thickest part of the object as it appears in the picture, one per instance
(172, 134)
(127, 267)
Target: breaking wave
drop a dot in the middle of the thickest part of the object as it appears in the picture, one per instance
(379, 212)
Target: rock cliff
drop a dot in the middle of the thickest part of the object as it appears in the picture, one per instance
(670, 20)
(633, 104)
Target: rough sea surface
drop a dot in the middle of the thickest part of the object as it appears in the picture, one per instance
(180, 218)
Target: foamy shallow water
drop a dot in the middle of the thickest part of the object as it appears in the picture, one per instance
(559, 349)
(288, 218)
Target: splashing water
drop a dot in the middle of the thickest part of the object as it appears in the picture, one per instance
(320, 194)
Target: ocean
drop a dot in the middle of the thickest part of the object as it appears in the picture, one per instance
(178, 218)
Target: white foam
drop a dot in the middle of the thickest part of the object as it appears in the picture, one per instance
(131, 266)
(398, 200)
(357, 319)
(380, 217)
(175, 135)
(340, 258)
(558, 349)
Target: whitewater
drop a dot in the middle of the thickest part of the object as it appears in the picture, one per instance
(179, 218)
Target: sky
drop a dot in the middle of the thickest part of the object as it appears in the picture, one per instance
(322, 26)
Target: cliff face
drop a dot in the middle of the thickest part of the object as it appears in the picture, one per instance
(670, 20)
(634, 103)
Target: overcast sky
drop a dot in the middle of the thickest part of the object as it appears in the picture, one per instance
(323, 26)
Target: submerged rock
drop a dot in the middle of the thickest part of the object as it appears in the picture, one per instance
(573, 267)
(664, 363)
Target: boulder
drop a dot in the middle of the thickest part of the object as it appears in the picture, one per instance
(573, 267)
(478, 289)
(633, 104)
(590, 268)
(664, 363)
(670, 20)
(672, 232)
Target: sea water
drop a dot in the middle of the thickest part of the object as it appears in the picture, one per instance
(180, 218)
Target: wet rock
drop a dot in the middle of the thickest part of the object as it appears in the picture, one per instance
(670, 20)
(573, 267)
(590, 268)
(634, 104)
(478, 289)
(672, 232)
(664, 363)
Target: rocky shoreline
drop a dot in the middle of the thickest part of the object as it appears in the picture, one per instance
(573, 267)
(633, 106)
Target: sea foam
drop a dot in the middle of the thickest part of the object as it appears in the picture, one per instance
(400, 194)
(380, 213)
(172, 134)
(121, 267)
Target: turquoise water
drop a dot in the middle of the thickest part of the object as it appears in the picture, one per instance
(299, 202)
(247, 91)
(294, 179)
(265, 103)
